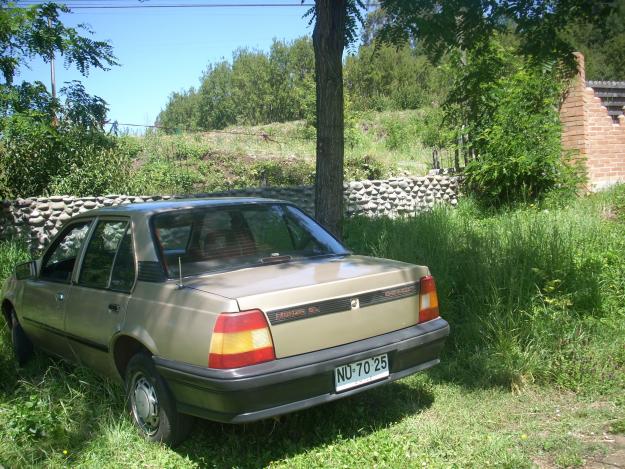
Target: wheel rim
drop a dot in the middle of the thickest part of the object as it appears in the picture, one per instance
(144, 404)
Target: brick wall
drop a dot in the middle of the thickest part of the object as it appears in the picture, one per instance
(591, 134)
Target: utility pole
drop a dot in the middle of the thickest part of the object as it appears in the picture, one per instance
(53, 83)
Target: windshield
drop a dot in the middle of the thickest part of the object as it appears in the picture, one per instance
(219, 238)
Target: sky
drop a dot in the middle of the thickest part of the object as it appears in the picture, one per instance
(165, 50)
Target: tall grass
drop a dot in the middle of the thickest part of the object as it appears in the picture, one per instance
(533, 296)
(12, 252)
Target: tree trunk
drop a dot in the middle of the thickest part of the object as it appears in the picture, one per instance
(328, 42)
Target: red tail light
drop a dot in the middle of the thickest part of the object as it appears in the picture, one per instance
(428, 299)
(240, 339)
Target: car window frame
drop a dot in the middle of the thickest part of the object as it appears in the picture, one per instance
(78, 267)
(55, 243)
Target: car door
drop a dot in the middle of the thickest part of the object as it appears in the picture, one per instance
(45, 297)
(98, 299)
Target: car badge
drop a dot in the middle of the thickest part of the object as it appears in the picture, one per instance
(355, 303)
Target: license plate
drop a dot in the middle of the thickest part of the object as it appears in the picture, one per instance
(361, 372)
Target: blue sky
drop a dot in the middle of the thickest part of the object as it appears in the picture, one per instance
(166, 50)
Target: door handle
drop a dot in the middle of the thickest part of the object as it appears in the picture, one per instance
(60, 296)
(113, 308)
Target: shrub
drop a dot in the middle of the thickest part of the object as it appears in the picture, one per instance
(292, 172)
(510, 106)
(359, 167)
(96, 169)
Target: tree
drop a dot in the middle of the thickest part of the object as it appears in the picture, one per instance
(540, 25)
(43, 136)
(603, 45)
(256, 88)
(335, 26)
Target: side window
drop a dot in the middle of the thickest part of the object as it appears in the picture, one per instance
(123, 276)
(100, 254)
(59, 261)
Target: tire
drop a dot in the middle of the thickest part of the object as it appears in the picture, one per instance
(22, 346)
(151, 405)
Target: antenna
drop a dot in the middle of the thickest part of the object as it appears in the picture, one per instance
(180, 285)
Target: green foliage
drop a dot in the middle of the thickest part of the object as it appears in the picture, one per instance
(399, 134)
(532, 296)
(256, 88)
(619, 202)
(602, 45)
(37, 157)
(95, 167)
(359, 167)
(29, 31)
(383, 77)
(281, 173)
(12, 252)
(48, 143)
(510, 106)
(468, 24)
(279, 86)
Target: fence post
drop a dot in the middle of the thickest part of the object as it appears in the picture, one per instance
(436, 162)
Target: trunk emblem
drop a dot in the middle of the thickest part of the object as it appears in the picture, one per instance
(355, 304)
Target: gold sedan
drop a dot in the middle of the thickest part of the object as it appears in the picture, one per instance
(233, 310)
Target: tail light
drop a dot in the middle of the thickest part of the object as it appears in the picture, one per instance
(428, 299)
(240, 339)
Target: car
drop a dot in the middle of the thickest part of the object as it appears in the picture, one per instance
(228, 309)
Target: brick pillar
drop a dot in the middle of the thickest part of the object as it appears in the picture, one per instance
(590, 134)
(573, 115)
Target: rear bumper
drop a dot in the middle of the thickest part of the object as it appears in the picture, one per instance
(294, 383)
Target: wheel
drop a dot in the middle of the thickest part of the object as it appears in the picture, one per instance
(22, 346)
(151, 405)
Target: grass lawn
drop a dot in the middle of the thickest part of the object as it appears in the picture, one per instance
(533, 373)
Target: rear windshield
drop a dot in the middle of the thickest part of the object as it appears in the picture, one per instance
(222, 238)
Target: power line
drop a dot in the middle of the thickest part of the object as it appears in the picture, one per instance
(263, 135)
(178, 5)
(78, 5)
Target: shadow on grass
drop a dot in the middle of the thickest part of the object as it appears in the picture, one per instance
(260, 443)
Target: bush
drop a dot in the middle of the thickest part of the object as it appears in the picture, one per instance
(290, 172)
(510, 106)
(96, 170)
(518, 146)
(359, 167)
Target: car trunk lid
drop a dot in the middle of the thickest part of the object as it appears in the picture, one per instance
(317, 304)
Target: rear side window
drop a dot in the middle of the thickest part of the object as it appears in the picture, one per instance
(101, 253)
(59, 261)
(123, 276)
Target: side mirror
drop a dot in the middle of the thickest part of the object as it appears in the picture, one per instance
(26, 271)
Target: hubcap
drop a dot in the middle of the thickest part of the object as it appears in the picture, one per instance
(144, 404)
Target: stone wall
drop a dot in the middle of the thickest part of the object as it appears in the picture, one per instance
(592, 133)
(39, 219)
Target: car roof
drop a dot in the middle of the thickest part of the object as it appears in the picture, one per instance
(145, 209)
